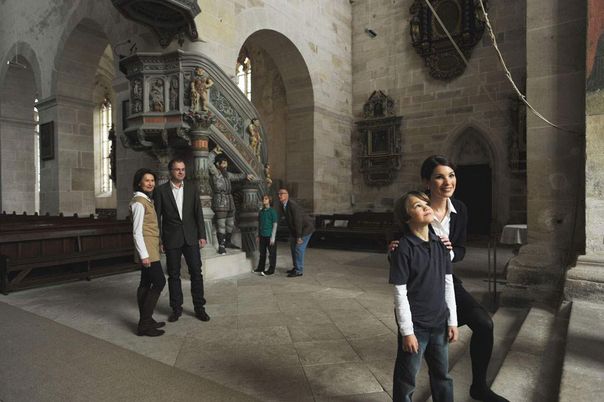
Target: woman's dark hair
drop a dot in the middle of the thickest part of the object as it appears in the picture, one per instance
(401, 216)
(432, 162)
(138, 176)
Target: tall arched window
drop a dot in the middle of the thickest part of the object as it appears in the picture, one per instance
(244, 74)
(104, 162)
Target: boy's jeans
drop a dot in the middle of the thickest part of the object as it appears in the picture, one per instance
(433, 345)
(297, 251)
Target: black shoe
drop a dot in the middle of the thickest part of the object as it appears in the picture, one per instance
(221, 250)
(158, 324)
(269, 272)
(150, 332)
(259, 270)
(289, 271)
(485, 394)
(174, 316)
(202, 315)
(294, 274)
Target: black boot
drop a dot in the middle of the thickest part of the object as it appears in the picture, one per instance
(227, 241)
(141, 294)
(146, 326)
(221, 243)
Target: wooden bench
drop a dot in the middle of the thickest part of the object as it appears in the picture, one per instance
(358, 231)
(47, 253)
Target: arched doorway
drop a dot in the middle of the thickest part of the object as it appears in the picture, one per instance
(281, 91)
(19, 158)
(475, 180)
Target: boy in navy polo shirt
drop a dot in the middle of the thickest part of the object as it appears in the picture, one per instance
(424, 300)
(267, 231)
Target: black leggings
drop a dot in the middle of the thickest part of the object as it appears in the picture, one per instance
(153, 276)
(472, 314)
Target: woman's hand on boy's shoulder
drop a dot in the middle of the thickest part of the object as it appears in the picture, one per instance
(445, 240)
(410, 344)
(393, 246)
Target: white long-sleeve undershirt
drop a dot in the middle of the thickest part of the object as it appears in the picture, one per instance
(402, 307)
(138, 216)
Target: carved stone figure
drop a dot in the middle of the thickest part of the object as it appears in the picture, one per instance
(156, 95)
(223, 203)
(174, 93)
(255, 138)
(199, 90)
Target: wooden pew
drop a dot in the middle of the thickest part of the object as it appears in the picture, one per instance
(358, 231)
(44, 253)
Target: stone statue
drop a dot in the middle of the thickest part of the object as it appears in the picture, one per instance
(156, 96)
(223, 203)
(112, 155)
(255, 138)
(267, 174)
(174, 93)
(199, 90)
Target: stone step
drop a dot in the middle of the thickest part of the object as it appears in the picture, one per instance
(583, 366)
(506, 323)
(531, 370)
(217, 266)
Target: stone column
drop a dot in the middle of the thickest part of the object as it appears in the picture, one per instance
(586, 280)
(199, 146)
(200, 123)
(555, 86)
(248, 218)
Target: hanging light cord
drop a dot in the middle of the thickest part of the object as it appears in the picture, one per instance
(501, 59)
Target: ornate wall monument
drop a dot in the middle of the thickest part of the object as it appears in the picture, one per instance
(380, 140)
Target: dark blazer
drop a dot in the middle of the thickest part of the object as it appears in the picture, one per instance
(458, 229)
(175, 232)
(299, 223)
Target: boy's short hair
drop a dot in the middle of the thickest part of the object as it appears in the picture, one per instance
(270, 198)
(401, 216)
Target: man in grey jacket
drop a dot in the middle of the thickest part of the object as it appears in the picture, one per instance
(301, 228)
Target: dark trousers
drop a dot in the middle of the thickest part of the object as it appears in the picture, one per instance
(434, 347)
(152, 277)
(472, 314)
(193, 259)
(265, 244)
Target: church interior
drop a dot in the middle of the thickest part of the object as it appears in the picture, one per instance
(338, 101)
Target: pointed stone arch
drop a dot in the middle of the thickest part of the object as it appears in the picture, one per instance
(477, 172)
(290, 141)
(19, 88)
(68, 181)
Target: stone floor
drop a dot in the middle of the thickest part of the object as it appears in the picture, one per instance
(326, 336)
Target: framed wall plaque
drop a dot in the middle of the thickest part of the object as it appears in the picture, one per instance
(47, 141)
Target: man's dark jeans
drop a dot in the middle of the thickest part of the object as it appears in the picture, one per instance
(193, 259)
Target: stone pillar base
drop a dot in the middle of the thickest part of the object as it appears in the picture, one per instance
(535, 275)
(586, 280)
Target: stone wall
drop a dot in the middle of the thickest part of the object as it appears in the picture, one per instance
(437, 113)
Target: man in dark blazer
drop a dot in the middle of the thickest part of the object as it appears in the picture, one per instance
(301, 228)
(180, 217)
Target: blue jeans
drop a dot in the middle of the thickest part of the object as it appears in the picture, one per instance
(298, 252)
(434, 347)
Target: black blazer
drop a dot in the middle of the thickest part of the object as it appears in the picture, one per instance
(458, 229)
(299, 223)
(175, 232)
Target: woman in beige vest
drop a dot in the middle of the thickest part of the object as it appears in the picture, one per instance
(146, 241)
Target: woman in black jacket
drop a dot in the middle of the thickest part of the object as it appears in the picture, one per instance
(450, 223)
